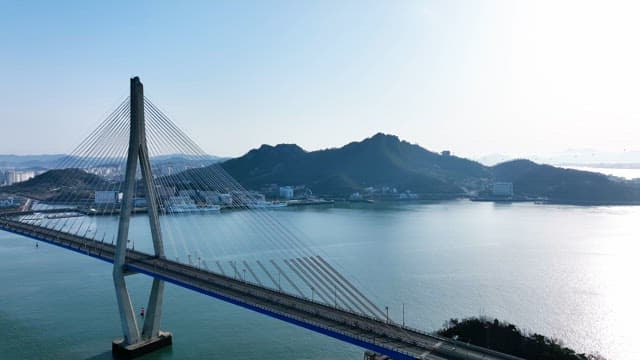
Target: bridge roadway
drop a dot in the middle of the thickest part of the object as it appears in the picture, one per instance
(385, 338)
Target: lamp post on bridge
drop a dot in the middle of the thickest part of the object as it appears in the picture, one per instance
(279, 286)
(387, 309)
(402, 314)
(312, 290)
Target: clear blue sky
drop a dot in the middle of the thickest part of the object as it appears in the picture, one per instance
(476, 77)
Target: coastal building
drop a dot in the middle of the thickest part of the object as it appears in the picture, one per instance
(247, 197)
(225, 199)
(286, 192)
(106, 197)
(185, 204)
(216, 198)
(446, 153)
(139, 202)
(407, 195)
(8, 202)
(502, 189)
(16, 176)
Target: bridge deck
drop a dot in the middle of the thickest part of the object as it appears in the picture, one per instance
(385, 338)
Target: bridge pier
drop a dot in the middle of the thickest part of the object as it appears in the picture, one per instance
(121, 350)
(136, 342)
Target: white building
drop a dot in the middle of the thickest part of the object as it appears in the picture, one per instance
(106, 197)
(502, 189)
(216, 198)
(286, 192)
(16, 176)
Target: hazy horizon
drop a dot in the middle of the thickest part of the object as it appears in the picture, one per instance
(476, 78)
(577, 157)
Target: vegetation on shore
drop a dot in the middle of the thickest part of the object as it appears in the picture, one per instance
(509, 339)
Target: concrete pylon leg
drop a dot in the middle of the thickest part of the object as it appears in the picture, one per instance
(151, 326)
(136, 343)
(125, 307)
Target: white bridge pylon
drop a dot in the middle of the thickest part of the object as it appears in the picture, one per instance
(136, 339)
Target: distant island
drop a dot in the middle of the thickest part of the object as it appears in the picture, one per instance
(381, 167)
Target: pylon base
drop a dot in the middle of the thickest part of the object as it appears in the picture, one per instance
(121, 351)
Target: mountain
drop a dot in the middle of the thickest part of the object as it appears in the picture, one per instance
(385, 160)
(564, 185)
(381, 160)
(30, 161)
(493, 159)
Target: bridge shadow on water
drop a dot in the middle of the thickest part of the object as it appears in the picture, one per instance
(102, 356)
(166, 353)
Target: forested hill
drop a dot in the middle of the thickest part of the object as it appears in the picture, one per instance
(564, 185)
(385, 160)
(382, 160)
(58, 183)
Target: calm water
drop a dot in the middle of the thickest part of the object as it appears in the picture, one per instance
(564, 271)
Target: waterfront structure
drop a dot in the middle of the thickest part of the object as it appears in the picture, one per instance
(140, 202)
(216, 198)
(106, 197)
(286, 192)
(8, 202)
(185, 204)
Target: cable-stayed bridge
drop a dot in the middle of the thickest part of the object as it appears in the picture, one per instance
(110, 184)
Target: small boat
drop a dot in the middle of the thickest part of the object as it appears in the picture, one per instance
(184, 204)
(191, 208)
(261, 204)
